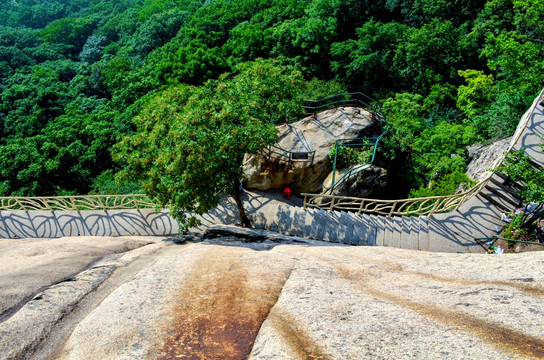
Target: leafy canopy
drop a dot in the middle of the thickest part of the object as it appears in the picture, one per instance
(190, 141)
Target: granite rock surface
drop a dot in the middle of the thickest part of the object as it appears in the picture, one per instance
(261, 296)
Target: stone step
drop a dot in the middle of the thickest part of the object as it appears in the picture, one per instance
(345, 232)
(506, 185)
(318, 224)
(310, 222)
(409, 233)
(414, 235)
(269, 214)
(497, 191)
(364, 230)
(389, 229)
(379, 225)
(331, 231)
(289, 220)
(405, 229)
(392, 234)
(506, 181)
(358, 230)
(371, 231)
(397, 234)
(260, 218)
(494, 199)
(424, 240)
(358, 227)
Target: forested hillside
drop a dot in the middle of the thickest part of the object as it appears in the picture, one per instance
(74, 74)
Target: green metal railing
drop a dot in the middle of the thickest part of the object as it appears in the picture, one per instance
(351, 99)
(274, 151)
(373, 141)
(347, 99)
(483, 241)
(312, 107)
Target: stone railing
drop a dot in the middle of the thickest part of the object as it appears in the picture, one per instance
(402, 207)
(77, 203)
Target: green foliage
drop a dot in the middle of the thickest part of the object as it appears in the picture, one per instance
(432, 54)
(190, 141)
(514, 229)
(106, 184)
(349, 155)
(72, 32)
(519, 168)
(441, 149)
(445, 186)
(419, 12)
(365, 63)
(32, 99)
(405, 115)
(476, 94)
(474, 64)
(317, 89)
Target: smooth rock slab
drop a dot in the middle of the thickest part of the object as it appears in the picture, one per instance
(278, 299)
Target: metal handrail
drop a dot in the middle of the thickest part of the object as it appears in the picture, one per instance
(314, 106)
(290, 156)
(356, 169)
(495, 238)
(351, 98)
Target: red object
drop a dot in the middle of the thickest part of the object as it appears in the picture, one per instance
(287, 193)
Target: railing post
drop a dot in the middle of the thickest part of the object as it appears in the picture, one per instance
(332, 204)
(21, 205)
(461, 201)
(434, 207)
(305, 200)
(392, 209)
(361, 207)
(334, 164)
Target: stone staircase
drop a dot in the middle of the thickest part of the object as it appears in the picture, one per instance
(344, 227)
(502, 192)
(450, 232)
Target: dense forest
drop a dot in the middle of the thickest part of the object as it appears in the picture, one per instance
(75, 74)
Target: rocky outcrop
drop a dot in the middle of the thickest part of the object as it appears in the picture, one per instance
(362, 184)
(317, 133)
(485, 157)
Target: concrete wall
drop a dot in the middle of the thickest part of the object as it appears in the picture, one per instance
(52, 224)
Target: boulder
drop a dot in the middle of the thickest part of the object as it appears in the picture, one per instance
(485, 157)
(362, 184)
(317, 133)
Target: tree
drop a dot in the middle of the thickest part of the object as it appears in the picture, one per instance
(190, 141)
(365, 63)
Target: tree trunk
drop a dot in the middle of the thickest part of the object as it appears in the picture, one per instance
(236, 196)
